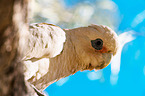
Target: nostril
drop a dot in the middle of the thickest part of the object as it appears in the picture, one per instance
(109, 51)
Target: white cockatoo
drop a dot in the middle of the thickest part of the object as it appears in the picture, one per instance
(52, 53)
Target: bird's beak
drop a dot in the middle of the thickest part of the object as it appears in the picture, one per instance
(107, 58)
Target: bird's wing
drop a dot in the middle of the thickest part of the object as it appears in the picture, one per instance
(44, 41)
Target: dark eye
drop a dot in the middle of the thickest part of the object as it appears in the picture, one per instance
(97, 44)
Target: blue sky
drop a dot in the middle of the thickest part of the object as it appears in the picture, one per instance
(131, 78)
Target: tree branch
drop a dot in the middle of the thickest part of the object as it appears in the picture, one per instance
(13, 17)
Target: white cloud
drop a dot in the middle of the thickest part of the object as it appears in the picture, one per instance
(138, 19)
(62, 81)
(115, 63)
(144, 70)
(113, 79)
(95, 75)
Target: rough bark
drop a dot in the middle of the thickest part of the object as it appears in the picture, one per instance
(13, 17)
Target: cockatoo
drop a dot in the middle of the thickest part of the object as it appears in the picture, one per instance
(52, 53)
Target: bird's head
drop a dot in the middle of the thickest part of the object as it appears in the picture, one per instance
(94, 45)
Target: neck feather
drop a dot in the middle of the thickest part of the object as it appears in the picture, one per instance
(61, 66)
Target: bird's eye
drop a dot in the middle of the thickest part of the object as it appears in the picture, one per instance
(97, 44)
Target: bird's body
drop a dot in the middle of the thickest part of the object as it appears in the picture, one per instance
(58, 53)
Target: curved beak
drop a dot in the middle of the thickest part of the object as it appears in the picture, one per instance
(107, 58)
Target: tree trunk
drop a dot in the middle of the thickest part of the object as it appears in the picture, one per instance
(13, 23)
